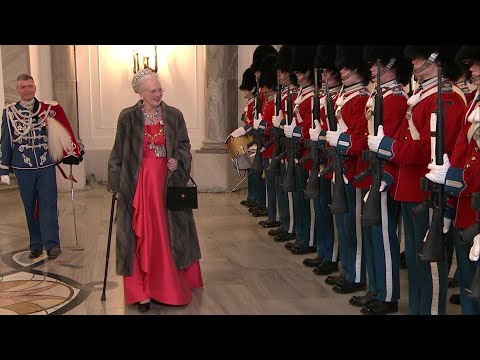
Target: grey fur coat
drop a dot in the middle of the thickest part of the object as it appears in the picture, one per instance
(123, 169)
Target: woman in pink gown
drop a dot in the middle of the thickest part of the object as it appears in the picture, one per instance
(162, 261)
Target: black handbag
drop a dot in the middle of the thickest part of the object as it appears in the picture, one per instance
(182, 197)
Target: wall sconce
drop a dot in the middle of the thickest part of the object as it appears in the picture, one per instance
(145, 60)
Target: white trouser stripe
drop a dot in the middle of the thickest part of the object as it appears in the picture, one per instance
(386, 248)
(358, 226)
(290, 211)
(312, 223)
(266, 187)
(435, 288)
(335, 235)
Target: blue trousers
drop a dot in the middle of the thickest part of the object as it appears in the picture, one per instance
(324, 232)
(259, 188)
(250, 186)
(427, 282)
(40, 184)
(283, 203)
(350, 237)
(271, 190)
(382, 252)
(301, 206)
(466, 271)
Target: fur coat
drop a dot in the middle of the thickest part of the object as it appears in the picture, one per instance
(123, 169)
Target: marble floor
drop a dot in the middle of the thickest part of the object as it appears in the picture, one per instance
(244, 270)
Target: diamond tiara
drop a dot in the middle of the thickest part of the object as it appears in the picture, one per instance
(141, 73)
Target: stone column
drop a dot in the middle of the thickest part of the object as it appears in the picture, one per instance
(214, 169)
(65, 93)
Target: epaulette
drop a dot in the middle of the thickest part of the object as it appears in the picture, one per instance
(51, 102)
(397, 91)
(363, 92)
(447, 87)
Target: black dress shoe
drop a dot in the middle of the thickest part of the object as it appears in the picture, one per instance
(246, 203)
(326, 268)
(35, 253)
(260, 212)
(275, 232)
(334, 280)
(309, 262)
(271, 223)
(378, 307)
(403, 260)
(253, 208)
(455, 299)
(361, 301)
(348, 287)
(143, 307)
(261, 222)
(302, 249)
(285, 236)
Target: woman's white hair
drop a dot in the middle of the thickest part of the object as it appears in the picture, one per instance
(140, 76)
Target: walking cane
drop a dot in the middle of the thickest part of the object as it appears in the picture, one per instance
(112, 210)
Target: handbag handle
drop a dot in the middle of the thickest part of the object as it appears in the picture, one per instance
(179, 167)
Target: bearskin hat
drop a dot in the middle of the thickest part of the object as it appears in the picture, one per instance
(351, 57)
(248, 80)
(402, 65)
(325, 57)
(268, 77)
(284, 62)
(303, 58)
(446, 57)
(260, 52)
(468, 54)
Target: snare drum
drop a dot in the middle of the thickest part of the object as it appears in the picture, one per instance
(242, 157)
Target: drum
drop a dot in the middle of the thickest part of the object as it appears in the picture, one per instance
(242, 156)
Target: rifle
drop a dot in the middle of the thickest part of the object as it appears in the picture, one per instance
(434, 246)
(288, 183)
(274, 167)
(339, 197)
(312, 190)
(258, 138)
(468, 234)
(372, 212)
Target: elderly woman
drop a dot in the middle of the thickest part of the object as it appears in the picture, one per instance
(157, 250)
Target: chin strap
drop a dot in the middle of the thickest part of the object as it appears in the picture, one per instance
(427, 63)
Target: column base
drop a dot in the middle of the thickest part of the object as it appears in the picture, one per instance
(213, 171)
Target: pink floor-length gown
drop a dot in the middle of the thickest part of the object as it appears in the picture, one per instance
(155, 275)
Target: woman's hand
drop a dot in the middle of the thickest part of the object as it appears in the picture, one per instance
(172, 164)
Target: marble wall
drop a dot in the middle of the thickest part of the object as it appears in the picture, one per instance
(15, 60)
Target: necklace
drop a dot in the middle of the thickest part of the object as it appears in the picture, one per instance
(160, 150)
(152, 118)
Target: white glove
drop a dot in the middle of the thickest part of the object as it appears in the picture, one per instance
(332, 137)
(288, 129)
(382, 187)
(315, 133)
(446, 224)
(276, 120)
(446, 227)
(345, 180)
(5, 179)
(374, 141)
(438, 173)
(238, 132)
(475, 249)
(256, 122)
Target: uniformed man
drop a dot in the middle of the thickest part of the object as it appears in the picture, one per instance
(326, 261)
(286, 230)
(382, 247)
(350, 140)
(248, 87)
(461, 176)
(36, 136)
(410, 149)
(302, 67)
